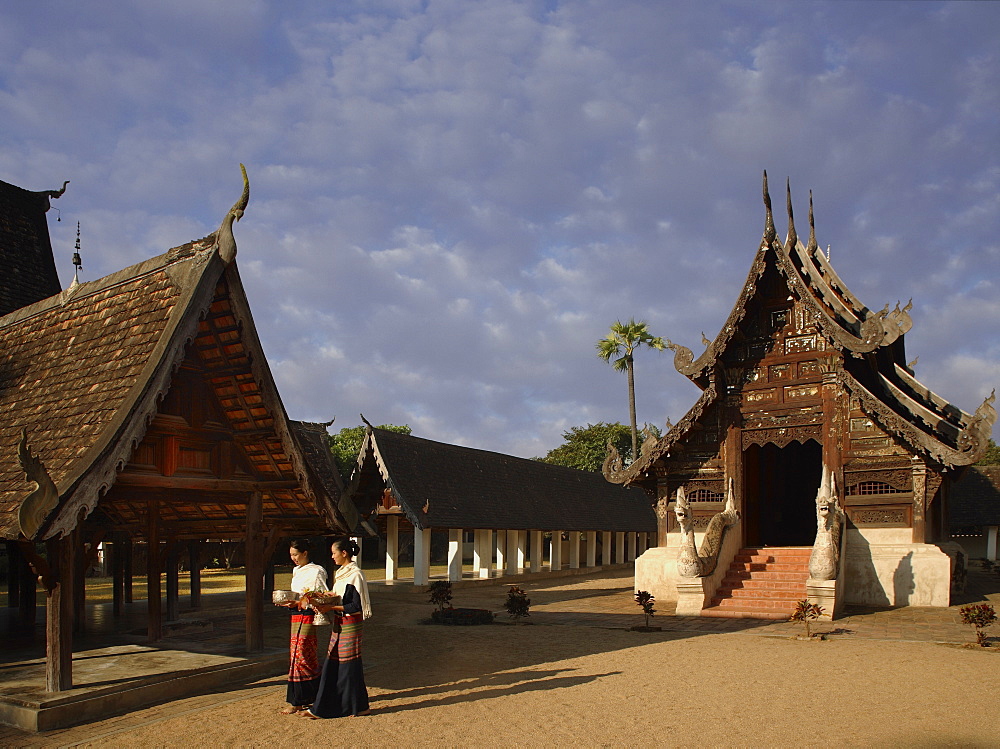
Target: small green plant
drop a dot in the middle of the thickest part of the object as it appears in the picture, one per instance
(805, 612)
(517, 603)
(980, 616)
(646, 599)
(440, 591)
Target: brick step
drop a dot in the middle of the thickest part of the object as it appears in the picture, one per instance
(767, 558)
(753, 594)
(737, 614)
(751, 585)
(799, 576)
(756, 604)
(769, 567)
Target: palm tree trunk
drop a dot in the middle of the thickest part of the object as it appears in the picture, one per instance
(631, 409)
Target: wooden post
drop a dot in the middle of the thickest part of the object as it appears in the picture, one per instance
(254, 553)
(79, 582)
(194, 563)
(154, 610)
(454, 554)
(59, 616)
(535, 552)
(173, 582)
(421, 556)
(27, 603)
(555, 552)
(118, 574)
(127, 570)
(391, 546)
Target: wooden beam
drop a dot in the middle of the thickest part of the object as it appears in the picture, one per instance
(197, 483)
(254, 552)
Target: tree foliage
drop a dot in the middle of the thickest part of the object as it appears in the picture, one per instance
(992, 456)
(586, 447)
(346, 444)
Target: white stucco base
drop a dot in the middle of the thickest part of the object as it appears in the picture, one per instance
(883, 568)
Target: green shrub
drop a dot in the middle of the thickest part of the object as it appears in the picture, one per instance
(517, 603)
(645, 599)
(440, 591)
(980, 616)
(806, 612)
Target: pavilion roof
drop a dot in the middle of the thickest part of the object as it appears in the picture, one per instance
(448, 486)
(82, 372)
(975, 498)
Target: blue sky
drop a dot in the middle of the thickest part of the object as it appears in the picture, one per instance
(453, 200)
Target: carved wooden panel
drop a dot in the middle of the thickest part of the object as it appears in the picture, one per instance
(783, 436)
(898, 478)
(796, 392)
(890, 516)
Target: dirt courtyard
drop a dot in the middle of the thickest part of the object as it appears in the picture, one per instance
(548, 684)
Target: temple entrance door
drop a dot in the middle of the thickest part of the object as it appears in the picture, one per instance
(780, 485)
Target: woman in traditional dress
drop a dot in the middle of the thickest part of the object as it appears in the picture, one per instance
(303, 671)
(342, 688)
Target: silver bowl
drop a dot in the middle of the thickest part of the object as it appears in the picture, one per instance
(284, 596)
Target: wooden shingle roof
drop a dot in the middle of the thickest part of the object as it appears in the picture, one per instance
(447, 486)
(84, 371)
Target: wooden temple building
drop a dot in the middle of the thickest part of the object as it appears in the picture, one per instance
(814, 464)
(139, 409)
(521, 515)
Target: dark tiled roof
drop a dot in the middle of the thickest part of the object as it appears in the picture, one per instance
(975, 498)
(27, 270)
(466, 488)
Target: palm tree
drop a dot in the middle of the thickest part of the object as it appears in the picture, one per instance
(618, 348)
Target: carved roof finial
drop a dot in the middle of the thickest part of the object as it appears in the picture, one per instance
(769, 231)
(367, 423)
(225, 241)
(812, 226)
(792, 237)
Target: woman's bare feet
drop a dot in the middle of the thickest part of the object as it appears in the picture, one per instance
(291, 710)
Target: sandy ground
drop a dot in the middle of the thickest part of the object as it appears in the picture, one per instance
(560, 685)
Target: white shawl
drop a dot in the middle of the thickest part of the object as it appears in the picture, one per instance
(309, 577)
(350, 574)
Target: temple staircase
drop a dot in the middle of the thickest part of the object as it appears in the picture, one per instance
(762, 583)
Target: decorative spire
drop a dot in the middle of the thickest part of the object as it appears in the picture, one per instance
(769, 231)
(77, 262)
(225, 241)
(812, 226)
(792, 236)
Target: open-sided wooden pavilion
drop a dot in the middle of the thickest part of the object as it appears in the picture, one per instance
(406, 484)
(804, 380)
(141, 408)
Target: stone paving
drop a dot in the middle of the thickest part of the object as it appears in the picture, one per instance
(600, 600)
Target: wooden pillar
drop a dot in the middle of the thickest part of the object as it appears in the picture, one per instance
(574, 550)
(606, 548)
(391, 546)
(535, 553)
(194, 564)
(501, 551)
(591, 548)
(127, 571)
(27, 582)
(59, 616)
(254, 555)
(630, 554)
(154, 611)
(555, 552)
(421, 556)
(79, 582)
(620, 547)
(173, 582)
(117, 574)
(454, 554)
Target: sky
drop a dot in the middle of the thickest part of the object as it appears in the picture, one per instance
(452, 200)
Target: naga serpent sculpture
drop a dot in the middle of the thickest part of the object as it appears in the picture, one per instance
(824, 561)
(37, 505)
(692, 562)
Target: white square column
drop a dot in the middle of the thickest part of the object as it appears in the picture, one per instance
(477, 553)
(620, 547)
(421, 556)
(591, 548)
(535, 553)
(632, 539)
(515, 552)
(642, 543)
(606, 548)
(454, 554)
(555, 552)
(501, 550)
(391, 546)
(991, 542)
(574, 550)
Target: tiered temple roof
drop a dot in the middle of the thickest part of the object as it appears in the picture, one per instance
(871, 364)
